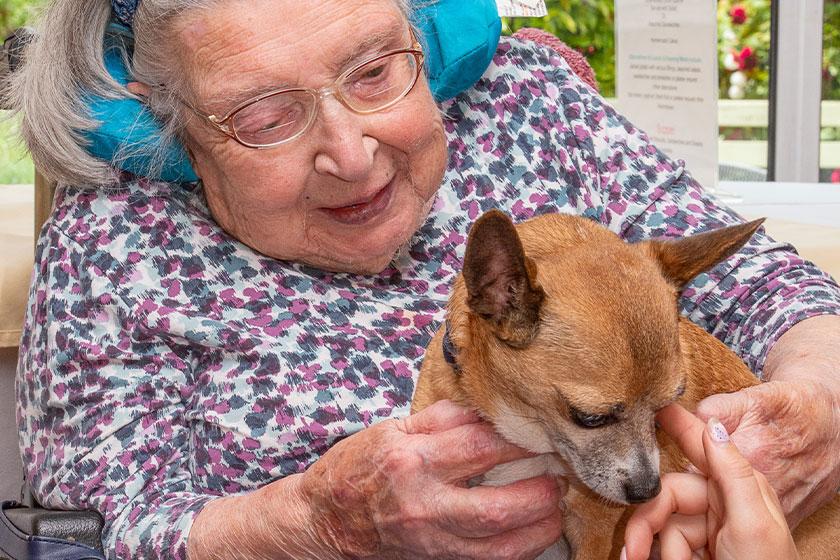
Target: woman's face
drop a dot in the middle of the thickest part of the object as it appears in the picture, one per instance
(352, 189)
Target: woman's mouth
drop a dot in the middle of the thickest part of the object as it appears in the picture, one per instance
(364, 211)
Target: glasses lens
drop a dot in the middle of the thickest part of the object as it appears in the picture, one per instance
(275, 119)
(380, 82)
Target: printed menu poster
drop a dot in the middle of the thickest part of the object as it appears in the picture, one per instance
(521, 8)
(666, 77)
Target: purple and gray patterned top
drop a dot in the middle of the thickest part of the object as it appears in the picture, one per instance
(164, 364)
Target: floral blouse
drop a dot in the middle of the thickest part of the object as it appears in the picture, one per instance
(164, 364)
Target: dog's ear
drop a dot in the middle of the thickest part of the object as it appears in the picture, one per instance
(501, 281)
(683, 259)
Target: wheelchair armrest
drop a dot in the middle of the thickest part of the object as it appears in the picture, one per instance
(73, 527)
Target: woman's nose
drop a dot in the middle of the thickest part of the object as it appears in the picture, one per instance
(344, 149)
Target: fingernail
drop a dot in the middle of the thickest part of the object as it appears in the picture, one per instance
(623, 553)
(718, 431)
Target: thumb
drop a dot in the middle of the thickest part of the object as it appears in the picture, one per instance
(732, 473)
(727, 408)
(439, 417)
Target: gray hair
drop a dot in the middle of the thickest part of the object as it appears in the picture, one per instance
(67, 58)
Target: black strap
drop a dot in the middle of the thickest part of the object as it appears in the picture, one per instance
(17, 545)
(449, 350)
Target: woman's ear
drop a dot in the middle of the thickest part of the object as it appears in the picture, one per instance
(139, 89)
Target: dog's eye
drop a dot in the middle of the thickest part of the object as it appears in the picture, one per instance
(585, 420)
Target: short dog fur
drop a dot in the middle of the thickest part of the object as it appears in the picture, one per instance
(569, 340)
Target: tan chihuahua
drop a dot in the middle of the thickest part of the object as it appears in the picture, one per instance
(569, 340)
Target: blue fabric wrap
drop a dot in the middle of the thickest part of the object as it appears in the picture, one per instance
(128, 131)
(459, 39)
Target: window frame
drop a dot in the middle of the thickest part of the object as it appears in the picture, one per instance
(796, 50)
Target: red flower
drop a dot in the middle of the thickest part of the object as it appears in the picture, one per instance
(747, 59)
(738, 13)
(835, 176)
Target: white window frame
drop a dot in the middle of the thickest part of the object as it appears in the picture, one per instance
(795, 91)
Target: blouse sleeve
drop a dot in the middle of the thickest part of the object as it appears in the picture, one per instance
(749, 300)
(103, 407)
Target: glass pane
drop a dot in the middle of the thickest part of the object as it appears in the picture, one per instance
(744, 70)
(744, 74)
(830, 132)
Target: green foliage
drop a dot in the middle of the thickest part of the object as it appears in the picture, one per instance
(15, 13)
(831, 50)
(744, 27)
(15, 165)
(754, 33)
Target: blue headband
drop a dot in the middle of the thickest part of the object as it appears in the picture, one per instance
(459, 39)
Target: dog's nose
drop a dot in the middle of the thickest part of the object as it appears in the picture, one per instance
(642, 489)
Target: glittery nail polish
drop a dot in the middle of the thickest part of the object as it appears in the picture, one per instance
(718, 431)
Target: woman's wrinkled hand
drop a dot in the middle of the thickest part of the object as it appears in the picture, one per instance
(790, 431)
(399, 490)
(734, 513)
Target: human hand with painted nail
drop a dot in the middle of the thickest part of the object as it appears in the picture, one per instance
(729, 512)
(788, 428)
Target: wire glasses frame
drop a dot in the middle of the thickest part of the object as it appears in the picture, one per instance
(304, 103)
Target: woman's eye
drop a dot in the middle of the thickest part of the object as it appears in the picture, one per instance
(585, 420)
(267, 126)
(270, 118)
(372, 80)
(373, 73)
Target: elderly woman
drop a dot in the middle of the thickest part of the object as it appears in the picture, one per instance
(223, 368)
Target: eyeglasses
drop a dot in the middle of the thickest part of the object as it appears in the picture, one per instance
(284, 115)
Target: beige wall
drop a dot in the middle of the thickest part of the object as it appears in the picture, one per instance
(10, 468)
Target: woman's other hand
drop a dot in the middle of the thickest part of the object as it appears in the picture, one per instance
(790, 431)
(399, 490)
(734, 512)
